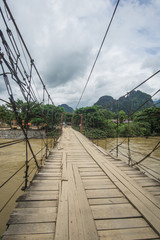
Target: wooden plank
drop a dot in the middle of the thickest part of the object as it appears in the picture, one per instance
(43, 187)
(76, 231)
(109, 224)
(91, 169)
(90, 232)
(93, 177)
(99, 186)
(104, 193)
(46, 181)
(114, 211)
(27, 210)
(32, 218)
(46, 178)
(51, 170)
(128, 234)
(62, 224)
(104, 201)
(29, 237)
(154, 189)
(39, 196)
(147, 182)
(64, 167)
(48, 174)
(88, 174)
(34, 228)
(37, 204)
(85, 165)
(91, 181)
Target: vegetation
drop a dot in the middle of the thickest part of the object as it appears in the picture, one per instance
(43, 116)
(100, 123)
(6, 115)
(97, 122)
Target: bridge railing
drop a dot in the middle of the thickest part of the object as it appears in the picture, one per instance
(26, 100)
(18, 167)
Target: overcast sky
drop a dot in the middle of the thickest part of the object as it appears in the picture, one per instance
(63, 38)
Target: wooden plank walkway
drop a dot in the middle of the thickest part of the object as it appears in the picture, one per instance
(82, 193)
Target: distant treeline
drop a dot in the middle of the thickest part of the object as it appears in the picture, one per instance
(100, 123)
(96, 121)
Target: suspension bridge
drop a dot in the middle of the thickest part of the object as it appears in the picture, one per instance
(81, 192)
(73, 189)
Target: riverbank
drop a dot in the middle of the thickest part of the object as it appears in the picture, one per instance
(18, 134)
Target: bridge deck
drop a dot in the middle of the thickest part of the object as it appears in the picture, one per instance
(82, 193)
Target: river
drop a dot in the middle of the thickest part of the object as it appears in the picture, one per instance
(139, 148)
(13, 157)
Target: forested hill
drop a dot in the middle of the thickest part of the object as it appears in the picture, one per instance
(67, 108)
(132, 102)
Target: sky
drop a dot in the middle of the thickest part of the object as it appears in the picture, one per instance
(64, 37)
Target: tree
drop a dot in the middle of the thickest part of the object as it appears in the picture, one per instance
(6, 115)
(122, 116)
(150, 116)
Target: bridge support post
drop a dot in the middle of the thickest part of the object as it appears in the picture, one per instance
(81, 123)
(62, 121)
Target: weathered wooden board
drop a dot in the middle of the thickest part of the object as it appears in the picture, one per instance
(95, 169)
(29, 237)
(51, 170)
(89, 174)
(32, 218)
(33, 228)
(81, 224)
(37, 204)
(147, 182)
(99, 186)
(124, 223)
(28, 211)
(48, 174)
(93, 177)
(40, 177)
(105, 201)
(39, 196)
(128, 234)
(85, 165)
(114, 211)
(43, 187)
(104, 193)
(62, 224)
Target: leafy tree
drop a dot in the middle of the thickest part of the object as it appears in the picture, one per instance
(6, 115)
(33, 112)
(122, 116)
(150, 116)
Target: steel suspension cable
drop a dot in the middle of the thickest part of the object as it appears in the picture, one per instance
(98, 52)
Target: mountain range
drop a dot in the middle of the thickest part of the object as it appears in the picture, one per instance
(130, 103)
(67, 108)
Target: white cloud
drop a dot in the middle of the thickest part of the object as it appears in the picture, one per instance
(64, 36)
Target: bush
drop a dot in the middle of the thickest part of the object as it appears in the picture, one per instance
(94, 133)
(135, 129)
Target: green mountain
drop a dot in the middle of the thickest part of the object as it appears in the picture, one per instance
(157, 103)
(134, 101)
(67, 108)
